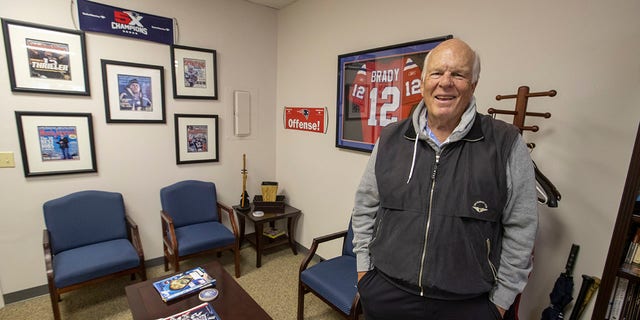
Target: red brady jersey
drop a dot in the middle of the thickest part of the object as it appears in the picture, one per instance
(385, 92)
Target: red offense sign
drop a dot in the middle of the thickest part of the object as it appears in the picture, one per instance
(305, 119)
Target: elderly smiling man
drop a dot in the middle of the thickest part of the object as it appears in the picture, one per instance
(445, 215)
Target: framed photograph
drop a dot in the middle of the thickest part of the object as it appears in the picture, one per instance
(194, 73)
(133, 92)
(378, 87)
(56, 143)
(45, 59)
(196, 138)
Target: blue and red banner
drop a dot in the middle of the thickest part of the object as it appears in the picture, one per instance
(123, 22)
(305, 119)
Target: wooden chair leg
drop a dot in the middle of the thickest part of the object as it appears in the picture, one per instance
(236, 261)
(300, 301)
(54, 304)
(143, 274)
(166, 262)
(176, 264)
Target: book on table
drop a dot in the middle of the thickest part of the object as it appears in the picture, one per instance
(202, 311)
(273, 233)
(183, 283)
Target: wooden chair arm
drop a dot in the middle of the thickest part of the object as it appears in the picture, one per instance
(316, 242)
(48, 256)
(134, 235)
(168, 228)
(232, 217)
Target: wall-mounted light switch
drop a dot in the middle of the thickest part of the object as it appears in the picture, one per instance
(6, 160)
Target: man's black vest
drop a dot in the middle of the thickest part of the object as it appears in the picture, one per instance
(460, 221)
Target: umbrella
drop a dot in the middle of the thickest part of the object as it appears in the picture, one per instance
(562, 292)
(589, 286)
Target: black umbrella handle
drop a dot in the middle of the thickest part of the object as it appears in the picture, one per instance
(571, 261)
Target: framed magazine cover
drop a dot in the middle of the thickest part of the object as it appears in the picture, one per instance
(44, 59)
(196, 138)
(194, 73)
(56, 143)
(133, 92)
(377, 87)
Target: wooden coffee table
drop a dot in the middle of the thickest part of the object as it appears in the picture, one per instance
(232, 302)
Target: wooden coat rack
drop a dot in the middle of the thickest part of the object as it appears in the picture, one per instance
(550, 191)
(521, 107)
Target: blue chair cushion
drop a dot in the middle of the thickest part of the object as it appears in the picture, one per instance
(84, 218)
(202, 236)
(335, 280)
(96, 260)
(190, 202)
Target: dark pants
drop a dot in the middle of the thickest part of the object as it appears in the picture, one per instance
(382, 300)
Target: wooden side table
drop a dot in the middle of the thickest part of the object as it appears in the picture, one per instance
(261, 242)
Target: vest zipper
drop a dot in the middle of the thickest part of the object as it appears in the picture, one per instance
(426, 233)
(493, 268)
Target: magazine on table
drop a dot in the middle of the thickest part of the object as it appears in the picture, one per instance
(200, 312)
(183, 283)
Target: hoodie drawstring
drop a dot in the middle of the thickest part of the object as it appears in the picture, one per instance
(413, 161)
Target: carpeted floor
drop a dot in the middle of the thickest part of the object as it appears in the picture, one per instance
(274, 286)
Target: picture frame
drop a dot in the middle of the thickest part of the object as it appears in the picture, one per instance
(133, 92)
(45, 59)
(194, 72)
(54, 143)
(388, 78)
(196, 138)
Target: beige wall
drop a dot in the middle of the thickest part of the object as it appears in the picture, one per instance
(586, 50)
(138, 159)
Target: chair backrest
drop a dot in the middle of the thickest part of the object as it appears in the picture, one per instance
(189, 202)
(347, 246)
(84, 218)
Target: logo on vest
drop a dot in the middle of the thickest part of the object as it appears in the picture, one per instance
(480, 207)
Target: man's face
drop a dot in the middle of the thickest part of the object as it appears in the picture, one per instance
(135, 87)
(446, 87)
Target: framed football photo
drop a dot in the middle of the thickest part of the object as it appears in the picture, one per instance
(45, 59)
(194, 73)
(196, 138)
(378, 87)
(55, 143)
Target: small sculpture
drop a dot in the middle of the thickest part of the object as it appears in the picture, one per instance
(244, 198)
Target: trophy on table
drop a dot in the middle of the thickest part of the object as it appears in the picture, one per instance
(244, 198)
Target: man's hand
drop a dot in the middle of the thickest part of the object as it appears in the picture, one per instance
(361, 274)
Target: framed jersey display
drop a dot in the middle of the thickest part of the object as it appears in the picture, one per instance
(378, 87)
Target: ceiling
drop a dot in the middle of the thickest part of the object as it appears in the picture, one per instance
(276, 4)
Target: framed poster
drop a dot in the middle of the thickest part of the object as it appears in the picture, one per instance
(56, 143)
(133, 92)
(44, 59)
(194, 73)
(378, 87)
(196, 138)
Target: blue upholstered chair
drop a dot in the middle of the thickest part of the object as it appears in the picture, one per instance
(333, 280)
(88, 238)
(191, 223)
